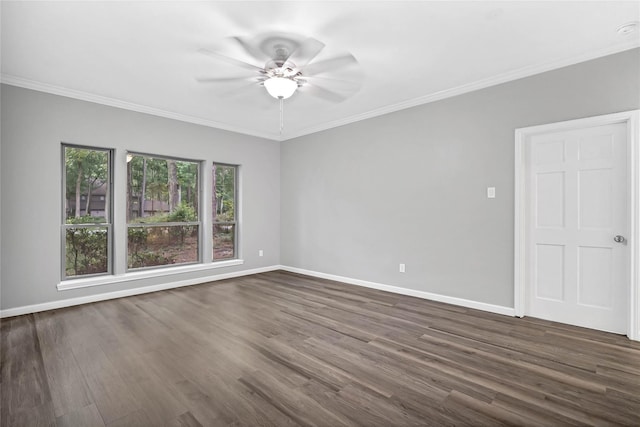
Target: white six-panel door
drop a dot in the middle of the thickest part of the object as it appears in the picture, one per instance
(576, 185)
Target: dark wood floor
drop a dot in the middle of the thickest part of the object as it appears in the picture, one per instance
(283, 349)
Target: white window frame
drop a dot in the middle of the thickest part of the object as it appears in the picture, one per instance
(173, 273)
(236, 212)
(167, 224)
(108, 214)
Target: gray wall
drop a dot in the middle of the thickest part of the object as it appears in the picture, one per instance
(410, 187)
(34, 124)
(407, 187)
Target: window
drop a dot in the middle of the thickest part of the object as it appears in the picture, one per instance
(163, 217)
(224, 212)
(86, 225)
(163, 226)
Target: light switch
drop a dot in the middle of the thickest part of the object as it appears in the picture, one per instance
(491, 192)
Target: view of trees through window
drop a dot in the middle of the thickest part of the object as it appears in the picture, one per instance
(87, 204)
(224, 212)
(162, 211)
(163, 223)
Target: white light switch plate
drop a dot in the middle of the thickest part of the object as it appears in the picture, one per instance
(491, 192)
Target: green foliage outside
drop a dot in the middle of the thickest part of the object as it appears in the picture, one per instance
(159, 191)
(225, 183)
(85, 171)
(144, 241)
(86, 249)
(162, 245)
(224, 229)
(183, 213)
(87, 219)
(224, 242)
(139, 255)
(158, 186)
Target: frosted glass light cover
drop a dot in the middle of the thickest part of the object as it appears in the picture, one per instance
(280, 87)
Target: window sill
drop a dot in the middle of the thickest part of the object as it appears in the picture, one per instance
(146, 274)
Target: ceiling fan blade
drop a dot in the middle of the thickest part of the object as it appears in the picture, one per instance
(323, 93)
(343, 83)
(230, 60)
(227, 79)
(330, 64)
(244, 91)
(251, 50)
(306, 51)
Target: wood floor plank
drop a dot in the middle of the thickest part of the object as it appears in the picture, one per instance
(284, 349)
(138, 418)
(295, 405)
(37, 416)
(89, 416)
(461, 403)
(204, 409)
(111, 394)
(69, 390)
(25, 395)
(185, 420)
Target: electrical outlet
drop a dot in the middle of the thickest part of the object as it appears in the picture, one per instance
(491, 192)
(260, 252)
(401, 268)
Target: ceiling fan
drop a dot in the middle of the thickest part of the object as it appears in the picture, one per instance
(285, 63)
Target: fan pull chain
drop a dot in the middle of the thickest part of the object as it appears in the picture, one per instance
(281, 114)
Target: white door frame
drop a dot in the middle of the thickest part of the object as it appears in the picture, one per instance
(631, 119)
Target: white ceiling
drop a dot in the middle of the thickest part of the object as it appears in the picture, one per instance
(143, 55)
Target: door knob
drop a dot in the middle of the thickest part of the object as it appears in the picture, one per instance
(618, 239)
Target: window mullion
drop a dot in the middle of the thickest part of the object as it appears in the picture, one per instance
(119, 212)
(206, 214)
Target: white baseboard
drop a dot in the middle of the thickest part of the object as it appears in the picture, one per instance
(498, 309)
(52, 305)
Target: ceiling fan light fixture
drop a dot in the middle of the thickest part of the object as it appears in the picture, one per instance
(280, 87)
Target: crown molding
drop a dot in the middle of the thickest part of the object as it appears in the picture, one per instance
(459, 90)
(113, 102)
(414, 102)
